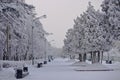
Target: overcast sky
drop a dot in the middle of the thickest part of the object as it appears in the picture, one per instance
(60, 15)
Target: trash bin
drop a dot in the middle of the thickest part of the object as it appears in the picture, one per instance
(39, 65)
(25, 69)
(19, 73)
(109, 61)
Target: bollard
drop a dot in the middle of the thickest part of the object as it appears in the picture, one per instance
(19, 73)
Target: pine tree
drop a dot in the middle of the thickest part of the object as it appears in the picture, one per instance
(112, 17)
(88, 35)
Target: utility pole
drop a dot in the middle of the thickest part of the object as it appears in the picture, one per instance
(45, 50)
(7, 31)
(32, 48)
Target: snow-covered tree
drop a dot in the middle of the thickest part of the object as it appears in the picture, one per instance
(89, 35)
(39, 39)
(112, 17)
(17, 18)
(80, 41)
(68, 42)
(16, 23)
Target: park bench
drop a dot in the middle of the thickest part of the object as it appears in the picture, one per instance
(109, 61)
(21, 73)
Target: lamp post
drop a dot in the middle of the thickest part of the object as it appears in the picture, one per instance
(8, 47)
(41, 17)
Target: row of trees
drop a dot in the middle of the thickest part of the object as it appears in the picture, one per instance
(17, 20)
(94, 31)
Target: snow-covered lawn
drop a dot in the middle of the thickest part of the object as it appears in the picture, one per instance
(61, 69)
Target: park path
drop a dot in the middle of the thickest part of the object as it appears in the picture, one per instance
(60, 69)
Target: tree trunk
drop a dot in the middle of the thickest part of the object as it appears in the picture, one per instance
(84, 57)
(70, 56)
(98, 56)
(101, 56)
(91, 56)
(94, 57)
(80, 57)
(108, 56)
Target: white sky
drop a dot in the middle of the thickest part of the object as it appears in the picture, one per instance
(60, 15)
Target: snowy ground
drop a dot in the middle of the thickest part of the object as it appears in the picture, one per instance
(61, 69)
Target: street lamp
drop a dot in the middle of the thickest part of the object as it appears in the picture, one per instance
(41, 17)
(45, 49)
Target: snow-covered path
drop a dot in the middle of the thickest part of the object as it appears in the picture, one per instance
(59, 69)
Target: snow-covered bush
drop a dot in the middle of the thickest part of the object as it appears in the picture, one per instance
(6, 65)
